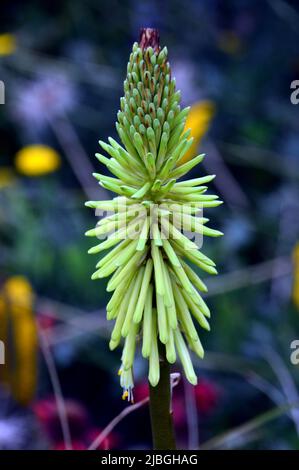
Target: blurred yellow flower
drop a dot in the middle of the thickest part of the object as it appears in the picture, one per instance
(7, 177)
(37, 160)
(198, 120)
(19, 333)
(295, 292)
(7, 44)
(19, 289)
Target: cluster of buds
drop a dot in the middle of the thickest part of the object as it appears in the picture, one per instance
(155, 291)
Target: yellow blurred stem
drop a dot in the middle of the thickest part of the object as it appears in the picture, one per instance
(19, 333)
(295, 291)
(4, 371)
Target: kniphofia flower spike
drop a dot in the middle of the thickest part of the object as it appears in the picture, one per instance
(156, 294)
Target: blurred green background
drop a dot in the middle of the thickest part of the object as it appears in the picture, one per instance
(63, 64)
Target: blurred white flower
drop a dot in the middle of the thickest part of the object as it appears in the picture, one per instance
(12, 433)
(48, 96)
(185, 73)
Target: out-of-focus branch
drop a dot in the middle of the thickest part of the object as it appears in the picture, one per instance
(78, 322)
(103, 76)
(56, 389)
(285, 379)
(228, 438)
(226, 183)
(260, 158)
(250, 275)
(77, 158)
(191, 415)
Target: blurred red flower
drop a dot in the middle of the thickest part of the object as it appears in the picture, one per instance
(45, 320)
(140, 391)
(82, 432)
(207, 396)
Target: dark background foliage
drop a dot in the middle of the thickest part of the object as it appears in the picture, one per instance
(63, 83)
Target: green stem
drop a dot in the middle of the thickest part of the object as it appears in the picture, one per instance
(160, 408)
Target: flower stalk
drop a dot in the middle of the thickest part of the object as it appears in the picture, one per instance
(161, 408)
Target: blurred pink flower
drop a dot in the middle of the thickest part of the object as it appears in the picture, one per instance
(179, 410)
(140, 391)
(45, 321)
(207, 396)
(47, 413)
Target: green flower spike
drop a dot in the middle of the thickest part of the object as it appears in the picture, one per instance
(156, 294)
